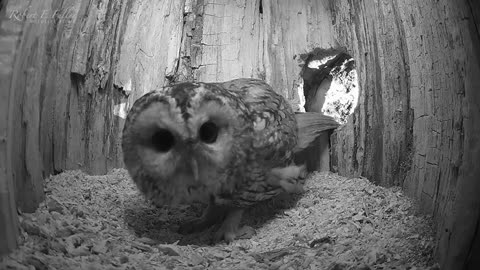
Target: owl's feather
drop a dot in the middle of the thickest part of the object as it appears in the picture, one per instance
(310, 125)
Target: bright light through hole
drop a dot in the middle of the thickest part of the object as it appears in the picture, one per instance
(330, 84)
(342, 96)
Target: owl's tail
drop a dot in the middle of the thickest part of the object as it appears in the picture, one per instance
(310, 126)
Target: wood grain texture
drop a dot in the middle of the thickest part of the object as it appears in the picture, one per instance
(64, 96)
(418, 65)
(10, 31)
(293, 28)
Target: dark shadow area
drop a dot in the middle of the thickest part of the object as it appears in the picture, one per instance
(161, 224)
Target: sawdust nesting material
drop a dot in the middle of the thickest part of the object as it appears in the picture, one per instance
(103, 222)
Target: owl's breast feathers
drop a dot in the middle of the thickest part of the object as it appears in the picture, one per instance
(271, 141)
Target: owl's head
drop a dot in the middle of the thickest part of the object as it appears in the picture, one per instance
(178, 143)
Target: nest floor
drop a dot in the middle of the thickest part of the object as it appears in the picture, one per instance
(103, 222)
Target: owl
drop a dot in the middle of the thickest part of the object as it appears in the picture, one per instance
(229, 145)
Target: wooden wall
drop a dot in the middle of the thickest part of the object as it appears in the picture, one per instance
(63, 90)
(417, 124)
(9, 38)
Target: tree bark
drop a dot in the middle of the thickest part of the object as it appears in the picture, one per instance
(9, 38)
(417, 121)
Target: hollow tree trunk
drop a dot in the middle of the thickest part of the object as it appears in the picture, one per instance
(417, 124)
(75, 76)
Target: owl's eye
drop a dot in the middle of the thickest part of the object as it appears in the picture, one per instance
(208, 132)
(163, 140)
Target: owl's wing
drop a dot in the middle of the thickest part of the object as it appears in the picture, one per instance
(275, 126)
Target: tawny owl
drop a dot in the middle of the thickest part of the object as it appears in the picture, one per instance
(228, 144)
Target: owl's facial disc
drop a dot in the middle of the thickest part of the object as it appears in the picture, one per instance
(156, 135)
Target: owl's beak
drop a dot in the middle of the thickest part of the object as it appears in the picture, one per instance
(194, 168)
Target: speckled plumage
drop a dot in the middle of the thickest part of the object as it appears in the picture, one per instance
(211, 142)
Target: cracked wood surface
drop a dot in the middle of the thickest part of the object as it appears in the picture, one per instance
(417, 120)
(9, 38)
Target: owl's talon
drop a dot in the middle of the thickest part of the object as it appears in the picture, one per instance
(246, 232)
(228, 231)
